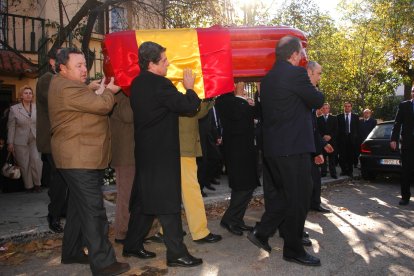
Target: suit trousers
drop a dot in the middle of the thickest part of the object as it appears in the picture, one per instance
(124, 181)
(238, 204)
(316, 191)
(407, 160)
(287, 185)
(202, 177)
(28, 159)
(330, 162)
(140, 225)
(192, 200)
(346, 155)
(86, 221)
(58, 190)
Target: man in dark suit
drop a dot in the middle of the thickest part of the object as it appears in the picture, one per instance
(404, 124)
(348, 139)
(366, 124)
(314, 72)
(50, 176)
(237, 116)
(156, 104)
(328, 128)
(288, 98)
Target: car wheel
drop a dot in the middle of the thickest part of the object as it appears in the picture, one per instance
(368, 175)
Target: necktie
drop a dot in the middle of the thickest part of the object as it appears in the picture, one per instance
(326, 118)
(347, 124)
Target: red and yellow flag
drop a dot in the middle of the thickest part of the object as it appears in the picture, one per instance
(206, 51)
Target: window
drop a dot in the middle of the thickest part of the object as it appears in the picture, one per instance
(118, 20)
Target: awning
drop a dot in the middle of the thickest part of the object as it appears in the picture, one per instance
(14, 64)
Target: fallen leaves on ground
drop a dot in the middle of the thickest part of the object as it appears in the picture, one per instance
(110, 197)
(16, 253)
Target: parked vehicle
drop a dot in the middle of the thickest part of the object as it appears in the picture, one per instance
(376, 154)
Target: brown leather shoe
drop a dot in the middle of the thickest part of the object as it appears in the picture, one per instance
(113, 269)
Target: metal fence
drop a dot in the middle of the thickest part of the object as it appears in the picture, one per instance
(22, 33)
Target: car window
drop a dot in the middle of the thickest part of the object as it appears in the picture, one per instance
(382, 131)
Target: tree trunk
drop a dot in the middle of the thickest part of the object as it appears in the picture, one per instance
(64, 32)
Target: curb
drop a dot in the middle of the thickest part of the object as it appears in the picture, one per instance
(218, 201)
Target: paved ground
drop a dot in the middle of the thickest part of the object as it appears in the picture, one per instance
(23, 215)
(367, 233)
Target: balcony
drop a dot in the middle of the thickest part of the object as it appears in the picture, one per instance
(21, 33)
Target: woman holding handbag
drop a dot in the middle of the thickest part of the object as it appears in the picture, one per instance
(21, 139)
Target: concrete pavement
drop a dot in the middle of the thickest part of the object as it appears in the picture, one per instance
(23, 215)
(367, 233)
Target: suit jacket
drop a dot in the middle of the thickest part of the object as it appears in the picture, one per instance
(320, 143)
(79, 124)
(43, 122)
(354, 129)
(365, 127)
(156, 105)
(287, 97)
(122, 132)
(237, 117)
(21, 125)
(329, 127)
(189, 133)
(404, 124)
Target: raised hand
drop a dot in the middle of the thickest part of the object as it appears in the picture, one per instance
(188, 78)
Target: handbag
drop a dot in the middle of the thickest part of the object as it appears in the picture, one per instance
(10, 169)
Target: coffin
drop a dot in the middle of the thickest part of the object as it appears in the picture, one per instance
(218, 55)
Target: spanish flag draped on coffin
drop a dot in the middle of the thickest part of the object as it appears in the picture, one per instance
(217, 55)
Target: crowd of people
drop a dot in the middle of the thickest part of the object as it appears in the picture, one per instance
(167, 146)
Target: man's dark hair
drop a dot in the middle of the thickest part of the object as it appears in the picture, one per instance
(63, 56)
(53, 52)
(287, 46)
(149, 52)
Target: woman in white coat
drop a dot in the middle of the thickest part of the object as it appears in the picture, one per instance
(21, 139)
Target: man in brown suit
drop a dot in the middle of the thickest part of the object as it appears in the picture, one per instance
(81, 151)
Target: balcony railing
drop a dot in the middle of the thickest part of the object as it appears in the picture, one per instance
(22, 33)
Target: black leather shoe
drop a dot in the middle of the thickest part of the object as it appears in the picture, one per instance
(404, 202)
(304, 235)
(245, 227)
(120, 241)
(321, 209)
(186, 261)
(259, 241)
(323, 174)
(334, 176)
(54, 224)
(215, 181)
(158, 238)
(305, 260)
(232, 228)
(210, 238)
(139, 253)
(83, 259)
(306, 241)
(113, 269)
(210, 187)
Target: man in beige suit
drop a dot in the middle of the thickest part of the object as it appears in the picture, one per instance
(81, 151)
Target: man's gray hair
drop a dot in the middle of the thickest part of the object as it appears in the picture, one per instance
(311, 65)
